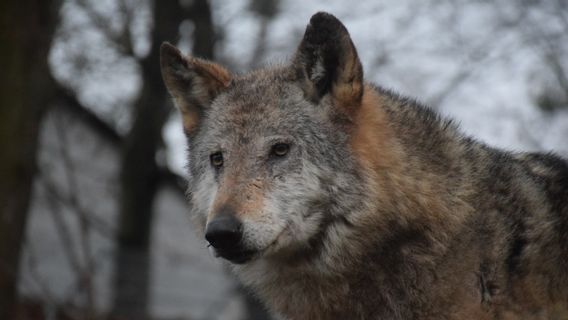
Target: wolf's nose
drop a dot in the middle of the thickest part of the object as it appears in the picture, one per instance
(224, 232)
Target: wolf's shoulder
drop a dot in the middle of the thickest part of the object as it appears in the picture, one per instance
(549, 169)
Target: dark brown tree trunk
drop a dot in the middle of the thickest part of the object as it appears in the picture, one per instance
(204, 34)
(26, 87)
(140, 176)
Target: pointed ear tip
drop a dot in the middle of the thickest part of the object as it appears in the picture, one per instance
(169, 55)
(325, 20)
(168, 48)
(325, 28)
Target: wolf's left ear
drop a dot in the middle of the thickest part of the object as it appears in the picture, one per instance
(193, 83)
(328, 63)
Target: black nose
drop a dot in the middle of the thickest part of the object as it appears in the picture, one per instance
(224, 232)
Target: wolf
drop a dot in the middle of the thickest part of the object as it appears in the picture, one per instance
(333, 198)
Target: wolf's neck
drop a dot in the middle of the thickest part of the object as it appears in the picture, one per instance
(407, 170)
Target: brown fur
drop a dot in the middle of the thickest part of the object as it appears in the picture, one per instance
(246, 200)
(203, 79)
(372, 140)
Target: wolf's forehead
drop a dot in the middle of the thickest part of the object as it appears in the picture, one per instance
(256, 105)
(260, 91)
(242, 108)
(257, 100)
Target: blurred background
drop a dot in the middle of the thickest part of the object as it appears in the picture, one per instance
(93, 220)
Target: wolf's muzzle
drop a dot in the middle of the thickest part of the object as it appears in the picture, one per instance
(224, 233)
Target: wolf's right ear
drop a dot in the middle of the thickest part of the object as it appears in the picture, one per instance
(192, 82)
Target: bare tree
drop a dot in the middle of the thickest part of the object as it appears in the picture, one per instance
(26, 89)
(140, 174)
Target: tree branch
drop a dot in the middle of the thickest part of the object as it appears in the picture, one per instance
(67, 101)
(122, 40)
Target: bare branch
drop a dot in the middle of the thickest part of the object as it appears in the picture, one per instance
(32, 265)
(68, 101)
(122, 39)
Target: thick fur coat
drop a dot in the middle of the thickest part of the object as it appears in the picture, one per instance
(333, 198)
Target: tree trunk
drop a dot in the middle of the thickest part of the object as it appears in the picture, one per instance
(26, 87)
(140, 176)
(204, 33)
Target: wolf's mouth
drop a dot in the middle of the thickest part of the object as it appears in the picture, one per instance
(236, 256)
(239, 255)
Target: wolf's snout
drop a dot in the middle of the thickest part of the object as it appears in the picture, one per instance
(224, 232)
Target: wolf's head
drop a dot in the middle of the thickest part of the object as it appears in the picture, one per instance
(270, 160)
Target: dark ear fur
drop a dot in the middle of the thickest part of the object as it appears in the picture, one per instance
(192, 82)
(327, 61)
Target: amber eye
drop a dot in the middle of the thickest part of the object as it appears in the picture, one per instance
(280, 149)
(216, 159)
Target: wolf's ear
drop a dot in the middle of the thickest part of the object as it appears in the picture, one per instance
(328, 63)
(192, 82)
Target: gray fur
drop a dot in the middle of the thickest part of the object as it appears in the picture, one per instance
(431, 225)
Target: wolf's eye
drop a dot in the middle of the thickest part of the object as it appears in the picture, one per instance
(216, 159)
(280, 149)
